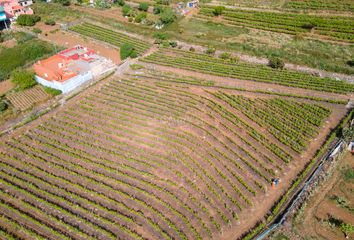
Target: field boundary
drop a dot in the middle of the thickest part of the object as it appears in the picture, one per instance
(282, 208)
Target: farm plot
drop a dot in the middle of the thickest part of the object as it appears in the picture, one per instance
(109, 36)
(243, 71)
(145, 158)
(345, 5)
(338, 28)
(26, 99)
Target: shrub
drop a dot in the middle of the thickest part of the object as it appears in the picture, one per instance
(167, 15)
(140, 17)
(143, 6)
(157, 10)
(27, 20)
(218, 10)
(63, 2)
(173, 44)
(23, 79)
(126, 9)
(3, 106)
(127, 50)
(225, 55)
(308, 26)
(276, 63)
(52, 91)
(120, 2)
(192, 49)
(36, 30)
(102, 4)
(50, 22)
(210, 51)
(160, 35)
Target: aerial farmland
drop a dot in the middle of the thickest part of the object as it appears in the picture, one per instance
(163, 119)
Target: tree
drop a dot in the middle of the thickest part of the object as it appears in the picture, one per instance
(167, 15)
(276, 63)
(27, 20)
(173, 44)
(126, 9)
(23, 79)
(63, 2)
(348, 134)
(347, 229)
(143, 6)
(127, 50)
(102, 4)
(3, 106)
(140, 17)
(225, 55)
(210, 51)
(218, 10)
(350, 63)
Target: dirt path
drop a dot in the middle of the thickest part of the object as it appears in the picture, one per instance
(6, 86)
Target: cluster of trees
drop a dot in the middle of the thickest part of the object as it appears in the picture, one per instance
(27, 20)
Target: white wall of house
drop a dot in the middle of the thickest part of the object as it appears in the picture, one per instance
(68, 85)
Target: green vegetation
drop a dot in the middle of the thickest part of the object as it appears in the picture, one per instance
(143, 6)
(23, 79)
(332, 27)
(22, 54)
(167, 16)
(218, 10)
(276, 63)
(27, 20)
(343, 5)
(347, 229)
(127, 50)
(50, 22)
(209, 64)
(3, 105)
(52, 91)
(109, 36)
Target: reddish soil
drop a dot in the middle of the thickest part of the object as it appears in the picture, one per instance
(66, 39)
(321, 207)
(114, 13)
(9, 43)
(6, 86)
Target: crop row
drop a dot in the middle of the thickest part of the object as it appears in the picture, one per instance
(335, 27)
(345, 5)
(109, 36)
(208, 64)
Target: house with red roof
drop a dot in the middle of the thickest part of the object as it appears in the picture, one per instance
(71, 68)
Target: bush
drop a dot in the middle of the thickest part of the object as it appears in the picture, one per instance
(167, 15)
(120, 2)
(50, 22)
(173, 44)
(276, 63)
(127, 50)
(143, 6)
(210, 51)
(192, 49)
(63, 2)
(157, 10)
(160, 35)
(36, 30)
(218, 10)
(3, 106)
(225, 56)
(126, 9)
(140, 17)
(102, 4)
(308, 26)
(27, 20)
(23, 79)
(52, 91)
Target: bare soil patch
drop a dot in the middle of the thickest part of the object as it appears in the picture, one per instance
(6, 86)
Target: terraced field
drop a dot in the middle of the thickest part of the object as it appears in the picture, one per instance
(109, 36)
(333, 5)
(226, 68)
(338, 28)
(146, 157)
(28, 98)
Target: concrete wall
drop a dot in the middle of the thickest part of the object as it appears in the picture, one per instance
(68, 85)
